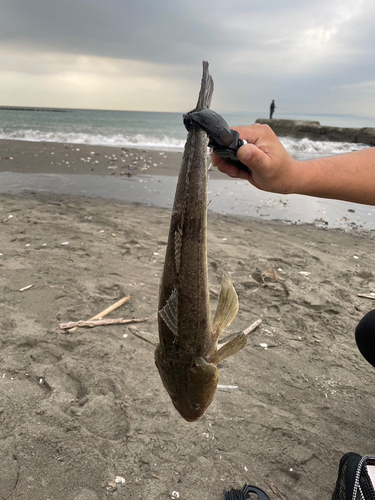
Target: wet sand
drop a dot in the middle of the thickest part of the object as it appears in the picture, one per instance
(45, 157)
(78, 410)
(150, 177)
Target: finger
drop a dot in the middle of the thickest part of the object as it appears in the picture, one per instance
(256, 133)
(216, 160)
(223, 166)
(227, 168)
(253, 157)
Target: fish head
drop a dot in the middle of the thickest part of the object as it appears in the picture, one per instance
(191, 387)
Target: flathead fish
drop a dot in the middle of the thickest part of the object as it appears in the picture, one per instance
(187, 351)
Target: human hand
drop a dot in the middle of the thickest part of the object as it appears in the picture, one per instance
(273, 169)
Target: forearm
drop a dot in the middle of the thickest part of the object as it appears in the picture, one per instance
(349, 177)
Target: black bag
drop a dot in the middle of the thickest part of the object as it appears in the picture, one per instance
(353, 482)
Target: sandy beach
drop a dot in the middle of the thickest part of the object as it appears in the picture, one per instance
(44, 157)
(84, 415)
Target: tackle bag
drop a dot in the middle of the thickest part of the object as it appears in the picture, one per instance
(354, 482)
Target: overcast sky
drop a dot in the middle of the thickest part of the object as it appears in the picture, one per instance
(311, 56)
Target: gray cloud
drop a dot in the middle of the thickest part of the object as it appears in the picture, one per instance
(291, 50)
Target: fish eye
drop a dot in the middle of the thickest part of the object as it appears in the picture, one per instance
(195, 406)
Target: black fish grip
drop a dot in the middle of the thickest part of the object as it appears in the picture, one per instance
(224, 141)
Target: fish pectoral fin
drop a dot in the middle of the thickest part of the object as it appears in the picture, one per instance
(232, 347)
(150, 338)
(227, 306)
(169, 313)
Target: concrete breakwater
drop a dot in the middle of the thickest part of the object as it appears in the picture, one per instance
(315, 131)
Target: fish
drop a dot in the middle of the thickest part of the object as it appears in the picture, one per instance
(187, 352)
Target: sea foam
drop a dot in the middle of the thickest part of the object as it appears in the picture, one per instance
(308, 148)
(299, 148)
(116, 140)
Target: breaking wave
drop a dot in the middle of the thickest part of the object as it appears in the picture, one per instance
(122, 140)
(298, 148)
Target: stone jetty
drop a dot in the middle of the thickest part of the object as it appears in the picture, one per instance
(317, 132)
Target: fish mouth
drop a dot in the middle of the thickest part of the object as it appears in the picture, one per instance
(189, 415)
(191, 419)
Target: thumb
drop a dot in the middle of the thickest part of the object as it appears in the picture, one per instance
(251, 156)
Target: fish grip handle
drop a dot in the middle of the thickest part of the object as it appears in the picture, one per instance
(229, 153)
(244, 493)
(224, 141)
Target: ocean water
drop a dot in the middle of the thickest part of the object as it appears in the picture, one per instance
(164, 131)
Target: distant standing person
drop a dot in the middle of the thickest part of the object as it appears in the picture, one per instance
(272, 109)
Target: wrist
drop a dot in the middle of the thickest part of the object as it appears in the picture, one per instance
(295, 172)
(310, 177)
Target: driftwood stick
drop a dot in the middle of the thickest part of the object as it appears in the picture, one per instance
(366, 296)
(100, 322)
(252, 327)
(246, 332)
(109, 309)
(276, 490)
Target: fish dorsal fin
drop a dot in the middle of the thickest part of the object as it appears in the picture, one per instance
(169, 313)
(150, 338)
(227, 306)
(228, 349)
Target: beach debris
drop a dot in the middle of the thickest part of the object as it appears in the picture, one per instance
(100, 322)
(26, 288)
(245, 332)
(175, 494)
(265, 346)
(111, 486)
(107, 311)
(7, 218)
(355, 257)
(370, 295)
(156, 477)
(252, 327)
(269, 273)
(214, 292)
(120, 480)
(275, 490)
(220, 386)
(64, 243)
(304, 273)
